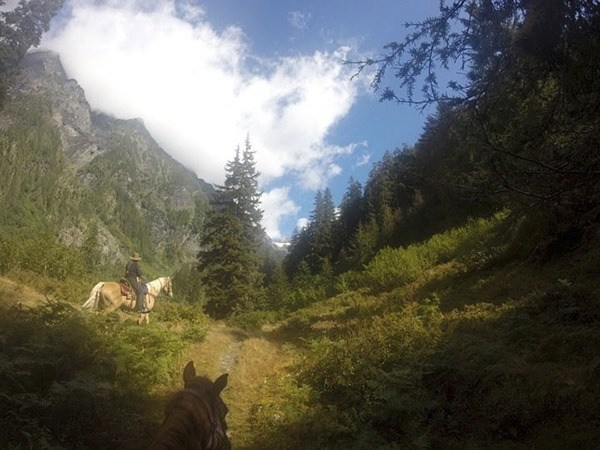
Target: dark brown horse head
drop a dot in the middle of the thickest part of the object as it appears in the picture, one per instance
(195, 417)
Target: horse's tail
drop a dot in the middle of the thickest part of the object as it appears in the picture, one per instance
(92, 301)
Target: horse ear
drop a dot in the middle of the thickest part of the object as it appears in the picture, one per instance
(189, 373)
(220, 384)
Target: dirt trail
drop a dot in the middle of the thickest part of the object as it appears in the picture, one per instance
(218, 352)
(251, 362)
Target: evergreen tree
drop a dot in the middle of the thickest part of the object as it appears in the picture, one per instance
(321, 231)
(249, 198)
(362, 248)
(224, 264)
(349, 217)
(229, 260)
(527, 109)
(278, 290)
(298, 251)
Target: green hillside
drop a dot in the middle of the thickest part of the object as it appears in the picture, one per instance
(478, 347)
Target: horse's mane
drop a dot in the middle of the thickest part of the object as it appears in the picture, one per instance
(181, 426)
(188, 424)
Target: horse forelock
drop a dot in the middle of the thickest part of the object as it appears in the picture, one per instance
(180, 428)
(205, 389)
(191, 417)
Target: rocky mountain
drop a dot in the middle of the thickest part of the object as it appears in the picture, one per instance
(97, 182)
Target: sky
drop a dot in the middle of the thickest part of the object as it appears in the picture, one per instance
(205, 74)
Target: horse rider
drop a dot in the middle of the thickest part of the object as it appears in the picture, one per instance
(133, 273)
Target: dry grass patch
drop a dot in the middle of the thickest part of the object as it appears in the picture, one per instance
(12, 294)
(253, 384)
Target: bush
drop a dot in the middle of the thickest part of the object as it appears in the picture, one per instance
(253, 320)
(144, 356)
(41, 254)
(174, 312)
(56, 378)
(61, 370)
(367, 373)
(298, 323)
(393, 268)
(195, 332)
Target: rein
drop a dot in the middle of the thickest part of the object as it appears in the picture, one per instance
(216, 428)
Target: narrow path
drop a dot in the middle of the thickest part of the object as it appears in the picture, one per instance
(252, 362)
(218, 352)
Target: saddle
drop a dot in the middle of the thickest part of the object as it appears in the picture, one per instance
(128, 291)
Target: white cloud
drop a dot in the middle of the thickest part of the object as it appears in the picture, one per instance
(190, 11)
(163, 62)
(302, 223)
(278, 202)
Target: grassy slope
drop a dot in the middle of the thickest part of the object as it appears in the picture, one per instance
(500, 353)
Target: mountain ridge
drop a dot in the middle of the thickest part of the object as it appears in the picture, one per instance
(91, 177)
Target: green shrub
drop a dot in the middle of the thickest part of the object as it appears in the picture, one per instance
(194, 332)
(144, 356)
(348, 281)
(56, 378)
(41, 254)
(288, 412)
(173, 312)
(253, 320)
(298, 323)
(367, 371)
(394, 267)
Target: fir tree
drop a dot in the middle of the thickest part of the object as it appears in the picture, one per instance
(321, 231)
(229, 260)
(349, 218)
(298, 251)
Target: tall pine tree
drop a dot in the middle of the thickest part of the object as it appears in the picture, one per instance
(229, 260)
(321, 231)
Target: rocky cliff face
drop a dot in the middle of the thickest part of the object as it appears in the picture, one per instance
(111, 184)
(43, 74)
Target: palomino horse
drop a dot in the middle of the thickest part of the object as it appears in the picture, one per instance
(107, 296)
(195, 417)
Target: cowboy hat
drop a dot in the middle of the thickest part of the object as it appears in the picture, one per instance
(136, 256)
